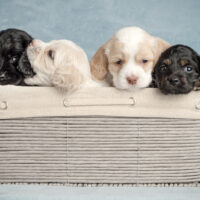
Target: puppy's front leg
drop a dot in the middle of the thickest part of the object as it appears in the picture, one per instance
(68, 78)
(32, 81)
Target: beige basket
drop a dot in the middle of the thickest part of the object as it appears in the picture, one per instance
(98, 136)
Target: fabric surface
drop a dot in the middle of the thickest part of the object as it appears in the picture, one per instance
(105, 101)
(100, 150)
(90, 23)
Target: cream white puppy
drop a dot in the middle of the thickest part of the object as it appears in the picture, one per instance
(59, 63)
(128, 58)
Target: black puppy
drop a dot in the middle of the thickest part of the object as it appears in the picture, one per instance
(177, 70)
(13, 43)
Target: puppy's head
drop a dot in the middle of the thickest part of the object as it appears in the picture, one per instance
(177, 70)
(13, 43)
(129, 56)
(57, 62)
(41, 55)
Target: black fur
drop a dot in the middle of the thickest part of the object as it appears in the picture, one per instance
(176, 78)
(13, 43)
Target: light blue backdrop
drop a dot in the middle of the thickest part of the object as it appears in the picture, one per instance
(89, 23)
(34, 192)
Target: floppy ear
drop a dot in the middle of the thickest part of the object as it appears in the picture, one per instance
(99, 64)
(67, 78)
(199, 61)
(24, 66)
(197, 83)
(159, 46)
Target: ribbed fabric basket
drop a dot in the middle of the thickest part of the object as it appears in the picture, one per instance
(98, 149)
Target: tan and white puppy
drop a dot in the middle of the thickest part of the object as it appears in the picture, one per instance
(128, 58)
(59, 63)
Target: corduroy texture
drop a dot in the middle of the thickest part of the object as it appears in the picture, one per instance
(104, 150)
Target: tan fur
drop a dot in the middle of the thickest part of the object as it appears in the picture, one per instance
(68, 79)
(159, 47)
(167, 61)
(145, 53)
(184, 62)
(105, 58)
(115, 68)
(99, 64)
(116, 54)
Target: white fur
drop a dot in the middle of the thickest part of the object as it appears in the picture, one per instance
(67, 54)
(128, 41)
(131, 37)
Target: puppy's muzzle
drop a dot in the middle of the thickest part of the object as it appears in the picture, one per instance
(174, 80)
(37, 43)
(132, 80)
(36, 46)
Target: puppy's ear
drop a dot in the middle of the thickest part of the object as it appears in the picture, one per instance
(197, 83)
(159, 46)
(67, 78)
(24, 66)
(99, 63)
(199, 61)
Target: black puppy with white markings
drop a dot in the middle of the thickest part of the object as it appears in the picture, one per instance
(14, 68)
(177, 70)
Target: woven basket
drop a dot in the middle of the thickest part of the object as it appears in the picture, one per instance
(98, 136)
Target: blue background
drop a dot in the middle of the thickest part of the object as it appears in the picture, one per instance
(35, 192)
(90, 23)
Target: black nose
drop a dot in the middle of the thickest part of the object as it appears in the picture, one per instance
(174, 81)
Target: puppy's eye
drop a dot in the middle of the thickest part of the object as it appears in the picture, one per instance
(51, 54)
(13, 59)
(188, 69)
(163, 68)
(119, 62)
(144, 61)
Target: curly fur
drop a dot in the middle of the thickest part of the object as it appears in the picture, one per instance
(13, 67)
(177, 70)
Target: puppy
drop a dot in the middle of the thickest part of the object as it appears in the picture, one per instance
(177, 70)
(127, 59)
(13, 43)
(59, 63)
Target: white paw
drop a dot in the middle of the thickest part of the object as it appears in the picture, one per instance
(29, 81)
(64, 83)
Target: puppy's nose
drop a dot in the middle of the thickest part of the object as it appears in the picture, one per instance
(132, 80)
(36, 43)
(33, 43)
(174, 81)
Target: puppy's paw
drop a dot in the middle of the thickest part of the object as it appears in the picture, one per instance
(64, 83)
(29, 81)
(68, 80)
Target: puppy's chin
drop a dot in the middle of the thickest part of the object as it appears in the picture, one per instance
(168, 89)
